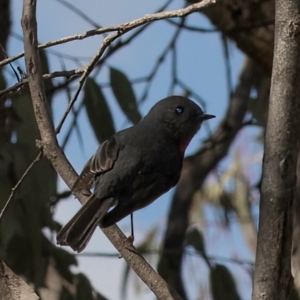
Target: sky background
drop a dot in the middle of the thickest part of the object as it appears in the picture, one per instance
(201, 65)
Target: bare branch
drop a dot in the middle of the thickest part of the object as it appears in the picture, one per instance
(186, 252)
(66, 74)
(19, 182)
(123, 28)
(192, 28)
(13, 287)
(87, 70)
(79, 13)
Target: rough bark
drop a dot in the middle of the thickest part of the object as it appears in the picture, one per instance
(272, 278)
(12, 287)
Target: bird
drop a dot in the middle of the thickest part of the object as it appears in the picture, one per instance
(133, 168)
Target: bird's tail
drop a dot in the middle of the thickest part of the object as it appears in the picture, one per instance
(78, 231)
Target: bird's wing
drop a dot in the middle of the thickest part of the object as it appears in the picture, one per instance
(101, 162)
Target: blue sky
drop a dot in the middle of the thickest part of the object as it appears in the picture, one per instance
(200, 64)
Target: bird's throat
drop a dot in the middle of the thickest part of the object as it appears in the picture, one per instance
(183, 144)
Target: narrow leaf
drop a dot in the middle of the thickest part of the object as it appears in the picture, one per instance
(123, 91)
(97, 110)
(222, 284)
(194, 238)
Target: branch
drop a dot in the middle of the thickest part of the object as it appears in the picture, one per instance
(19, 182)
(272, 277)
(186, 252)
(195, 170)
(13, 287)
(79, 12)
(122, 28)
(17, 86)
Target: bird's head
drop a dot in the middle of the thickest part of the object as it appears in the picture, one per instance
(178, 115)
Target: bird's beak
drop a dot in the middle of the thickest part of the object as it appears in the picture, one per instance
(205, 117)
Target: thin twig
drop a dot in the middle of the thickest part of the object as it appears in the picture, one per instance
(79, 13)
(66, 74)
(19, 182)
(159, 61)
(192, 28)
(109, 39)
(225, 43)
(185, 251)
(85, 74)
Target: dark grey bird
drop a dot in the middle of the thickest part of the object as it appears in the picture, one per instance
(134, 167)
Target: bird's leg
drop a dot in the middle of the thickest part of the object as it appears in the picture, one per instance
(128, 242)
(132, 229)
(130, 239)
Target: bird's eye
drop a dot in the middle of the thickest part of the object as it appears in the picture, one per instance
(179, 110)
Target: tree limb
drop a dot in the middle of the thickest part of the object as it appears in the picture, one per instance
(272, 277)
(122, 28)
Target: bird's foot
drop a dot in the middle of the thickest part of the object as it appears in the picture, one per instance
(129, 240)
(128, 245)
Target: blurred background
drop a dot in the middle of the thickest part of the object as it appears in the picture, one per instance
(210, 253)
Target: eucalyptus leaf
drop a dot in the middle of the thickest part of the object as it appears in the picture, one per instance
(123, 91)
(222, 284)
(84, 288)
(194, 238)
(97, 110)
(2, 81)
(64, 260)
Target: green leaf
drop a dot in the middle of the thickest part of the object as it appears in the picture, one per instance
(84, 288)
(222, 284)
(65, 295)
(258, 110)
(100, 297)
(194, 238)
(64, 260)
(98, 111)
(2, 82)
(29, 211)
(123, 91)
